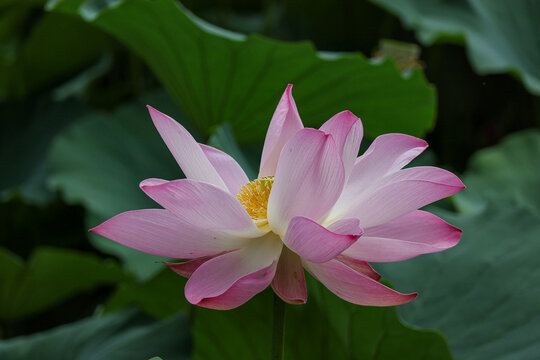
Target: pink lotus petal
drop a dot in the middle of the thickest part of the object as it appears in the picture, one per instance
(308, 181)
(242, 290)
(359, 266)
(185, 149)
(289, 282)
(285, 123)
(315, 243)
(410, 235)
(386, 155)
(346, 226)
(187, 268)
(355, 287)
(227, 168)
(153, 182)
(217, 275)
(403, 192)
(159, 232)
(347, 131)
(203, 205)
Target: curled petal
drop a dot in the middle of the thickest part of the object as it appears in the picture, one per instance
(347, 131)
(360, 266)
(308, 181)
(242, 290)
(355, 287)
(217, 275)
(227, 168)
(185, 269)
(289, 282)
(285, 123)
(203, 205)
(159, 232)
(410, 235)
(315, 243)
(185, 149)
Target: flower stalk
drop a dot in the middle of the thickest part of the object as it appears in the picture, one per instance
(278, 328)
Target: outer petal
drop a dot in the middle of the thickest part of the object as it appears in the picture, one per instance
(410, 235)
(315, 243)
(285, 123)
(355, 287)
(185, 269)
(359, 266)
(159, 232)
(308, 180)
(216, 276)
(403, 192)
(227, 168)
(242, 290)
(203, 205)
(185, 149)
(347, 131)
(386, 155)
(289, 282)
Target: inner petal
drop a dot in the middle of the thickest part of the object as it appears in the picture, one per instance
(254, 198)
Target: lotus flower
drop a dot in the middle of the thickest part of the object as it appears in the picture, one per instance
(315, 205)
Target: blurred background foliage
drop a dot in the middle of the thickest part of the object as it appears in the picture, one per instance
(76, 140)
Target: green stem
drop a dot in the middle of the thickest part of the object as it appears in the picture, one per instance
(278, 327)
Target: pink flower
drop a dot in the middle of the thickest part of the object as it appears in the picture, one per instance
(314, 206)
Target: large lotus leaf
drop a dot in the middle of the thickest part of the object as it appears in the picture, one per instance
(50, 277)
(483, 294)
(99, 162)
(508, 173)
(326, 327)
(220, 77)
(501, 36)
(121, 336)
(34, 62)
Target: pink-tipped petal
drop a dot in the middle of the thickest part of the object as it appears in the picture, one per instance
(402, 192)
(229, 170)
(410, 235)
(285, 123)
(185, 149)
(347, 131)
(242, 290)
(289, 282)
(185, 269)
(308, 181)
(203, 205)
(216, 276)
(152, 182)
(355, 287)
(360, 266)
(159, 232)
(315, 243)
(386, 155)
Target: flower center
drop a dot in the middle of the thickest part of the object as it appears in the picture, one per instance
(254, 198)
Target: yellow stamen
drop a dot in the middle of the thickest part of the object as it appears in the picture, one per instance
(254, 198)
